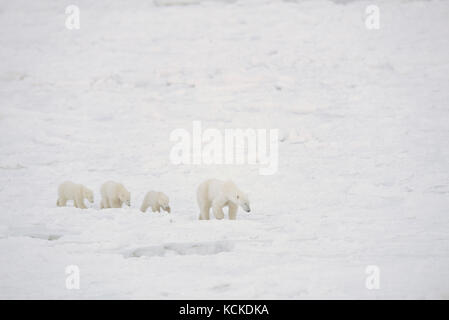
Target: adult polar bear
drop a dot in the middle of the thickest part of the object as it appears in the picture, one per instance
(218, 194)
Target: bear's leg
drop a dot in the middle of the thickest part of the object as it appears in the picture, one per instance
(204, 212)
(144, 206)
(115, 203)
(207, 211)
(105, 203)
(218, 211)
(62, 202)
(156, 208)
(80, 202)
(232, 211)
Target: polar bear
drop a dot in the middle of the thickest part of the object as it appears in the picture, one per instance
(155, 200)
(113, 195)
(218, 194)
(76, 192)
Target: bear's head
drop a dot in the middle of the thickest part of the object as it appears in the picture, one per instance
(236, 196)
(163, 202)
(242, 200)
(88, 194)
(125, 197)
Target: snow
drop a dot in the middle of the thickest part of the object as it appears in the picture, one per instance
(363, 173)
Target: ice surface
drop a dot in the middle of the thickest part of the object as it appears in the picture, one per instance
(363, 159)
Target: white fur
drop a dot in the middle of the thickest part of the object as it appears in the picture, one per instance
(155, 200)
(76, 192)
(217, 194)
(113, 195)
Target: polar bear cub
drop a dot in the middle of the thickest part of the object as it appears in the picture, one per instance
(155, 200)
(218, 194)
(113, 195)
(76, 192)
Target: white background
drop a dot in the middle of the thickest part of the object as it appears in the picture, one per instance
(363, 173)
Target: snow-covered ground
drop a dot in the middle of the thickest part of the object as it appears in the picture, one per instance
(363, 173)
